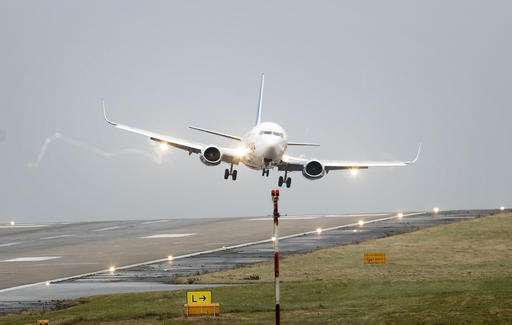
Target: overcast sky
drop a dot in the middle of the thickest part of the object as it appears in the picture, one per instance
(365, 79)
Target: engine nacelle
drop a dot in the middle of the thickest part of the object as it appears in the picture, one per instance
(211, 156)
(313, 170)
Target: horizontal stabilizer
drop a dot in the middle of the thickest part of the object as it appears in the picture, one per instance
(225, 135)
(304, 144)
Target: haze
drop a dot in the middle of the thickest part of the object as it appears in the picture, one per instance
(366, 80)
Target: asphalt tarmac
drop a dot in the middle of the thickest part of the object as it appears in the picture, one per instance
(74, 258)
(36, 253)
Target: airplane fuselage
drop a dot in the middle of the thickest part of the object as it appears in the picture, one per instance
(265, 145)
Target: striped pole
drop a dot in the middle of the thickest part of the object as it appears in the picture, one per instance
(275, 239)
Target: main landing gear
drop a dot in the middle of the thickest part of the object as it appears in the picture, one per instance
(285, 180)
(230, 172)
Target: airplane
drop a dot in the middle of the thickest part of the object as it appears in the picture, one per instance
(263, 148)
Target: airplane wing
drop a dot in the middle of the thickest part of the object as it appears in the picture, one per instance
(297, 164)
(225, 135)
(229, 155)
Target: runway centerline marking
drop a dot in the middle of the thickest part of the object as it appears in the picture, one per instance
(23, 226)
(107, 228)
(154, 221)
(31, 259)
(167, 236)
(10, 244)
(56, 237)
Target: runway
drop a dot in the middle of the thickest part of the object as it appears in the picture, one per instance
(139, 249)
(36, 253)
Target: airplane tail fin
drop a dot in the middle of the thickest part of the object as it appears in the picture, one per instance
(260, 100)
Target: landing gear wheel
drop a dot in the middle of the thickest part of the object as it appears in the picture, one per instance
(288, 182)
(280, 181)
(233, 176)
(226, 174)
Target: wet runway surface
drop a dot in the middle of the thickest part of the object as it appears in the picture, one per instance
(197, 246)
(35, 253)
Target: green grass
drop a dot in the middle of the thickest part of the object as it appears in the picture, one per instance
(458, 273)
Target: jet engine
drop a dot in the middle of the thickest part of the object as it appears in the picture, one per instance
(313, 170)
(211, 156)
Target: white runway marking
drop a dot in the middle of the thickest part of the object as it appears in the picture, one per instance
(283, 218)
(24, 226)
(167, 236)
(56, 237)
(31, 259)
(154, 221)
(10, 244)
(107, 228)
(200, 253)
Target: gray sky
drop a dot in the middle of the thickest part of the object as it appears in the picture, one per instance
(366, 79)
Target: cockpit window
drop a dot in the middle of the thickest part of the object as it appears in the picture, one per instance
(278, 134)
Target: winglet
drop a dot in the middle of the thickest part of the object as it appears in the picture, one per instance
(417, 154)
(105, 114)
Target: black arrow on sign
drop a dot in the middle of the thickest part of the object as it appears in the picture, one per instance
(203, 298)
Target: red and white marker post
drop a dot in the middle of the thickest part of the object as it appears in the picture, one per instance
(275, 240)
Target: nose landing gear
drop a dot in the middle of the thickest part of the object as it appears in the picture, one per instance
(230, 172)
(285, 180)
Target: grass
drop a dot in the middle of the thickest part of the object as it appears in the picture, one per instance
(457, 273)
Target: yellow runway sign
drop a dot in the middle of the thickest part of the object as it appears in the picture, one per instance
(199, 298)
(374, 258)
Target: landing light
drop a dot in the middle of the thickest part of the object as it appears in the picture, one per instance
(47, 283)
(502, 208)
(435, 210)
(400, 215)
(112, 269)
(241, 152)
(12, 223)
(319, 230)
(355, 230)
(354, 171)
(164, 146)
(169, 258)
(360, 223)
(273, 238)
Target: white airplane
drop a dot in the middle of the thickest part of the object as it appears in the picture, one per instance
(262, 148)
